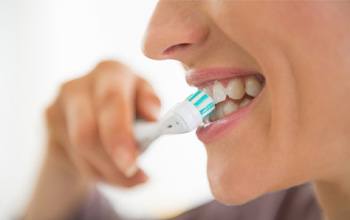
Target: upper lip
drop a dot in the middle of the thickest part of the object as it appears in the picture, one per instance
(199, 77)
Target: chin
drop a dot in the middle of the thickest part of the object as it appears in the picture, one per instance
(233, 195)
(232, 186)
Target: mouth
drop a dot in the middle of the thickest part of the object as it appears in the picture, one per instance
(234, 92)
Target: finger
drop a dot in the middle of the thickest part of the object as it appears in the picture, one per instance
(80, 120)
(87, 152)
(139, 178)
(121, 181)
(108, 172)
(114, 100)
(86, 169)
(80, 123)
(147, 102)
(55, 123)
(58, 137)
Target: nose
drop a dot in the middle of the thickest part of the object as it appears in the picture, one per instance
(175, 31)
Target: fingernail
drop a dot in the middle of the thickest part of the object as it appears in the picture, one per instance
(143, 178)
(154, 110)
(124, 161)
(131, 171)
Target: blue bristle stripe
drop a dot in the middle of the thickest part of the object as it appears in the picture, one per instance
(205, 111)
(206, 114)
(200, 100)
(191, 97)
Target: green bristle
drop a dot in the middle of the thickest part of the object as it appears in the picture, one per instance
(198, 98)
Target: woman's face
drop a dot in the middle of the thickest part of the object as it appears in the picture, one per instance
(297, 128)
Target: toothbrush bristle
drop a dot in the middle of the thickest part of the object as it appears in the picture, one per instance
(203, 102)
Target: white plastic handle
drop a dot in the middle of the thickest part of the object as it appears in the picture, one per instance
(183, 118)
(145, 133)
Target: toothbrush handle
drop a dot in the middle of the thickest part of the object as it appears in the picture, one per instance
(182, 118)
(145, 133)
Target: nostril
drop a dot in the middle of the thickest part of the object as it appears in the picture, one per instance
(176, 47)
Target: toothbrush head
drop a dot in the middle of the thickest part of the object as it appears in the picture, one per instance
(203, 103)
(188, 115)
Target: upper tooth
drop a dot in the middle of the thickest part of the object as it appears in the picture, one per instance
(244, 102)
(219, 93)
(252, 86)
(235, 89)
(207, 90)
(229, 107)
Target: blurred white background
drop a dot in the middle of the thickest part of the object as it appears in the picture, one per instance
(45, 42)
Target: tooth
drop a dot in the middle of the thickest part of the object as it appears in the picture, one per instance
(213, 116)
(220, 112)
(235, 89)
(217, 113)
(208, 91)
(244, 102)
(219, 93)
(252, 86)
(229, 107)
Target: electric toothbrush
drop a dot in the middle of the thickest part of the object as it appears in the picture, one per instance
(182, 118)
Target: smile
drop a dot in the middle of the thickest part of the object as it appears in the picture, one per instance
(234, 92)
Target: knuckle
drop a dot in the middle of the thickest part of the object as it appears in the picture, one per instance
(50, 112)
(147, 90)
(109, 65)
(123, 136)
(68, 88)
(145, 84)
(52, 117)
(111, 94)
(113, 72)
(151, 97)
(71, 92)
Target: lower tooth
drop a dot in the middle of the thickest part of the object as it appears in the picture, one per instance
(229, 107)
(213, 116)
(223, 109)
(220, 112)
(244, 102)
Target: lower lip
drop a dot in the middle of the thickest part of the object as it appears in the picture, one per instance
(220, 127)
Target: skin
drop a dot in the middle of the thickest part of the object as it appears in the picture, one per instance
(90, 138)
(297, 132)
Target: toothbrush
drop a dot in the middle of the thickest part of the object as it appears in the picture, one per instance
(182, 118)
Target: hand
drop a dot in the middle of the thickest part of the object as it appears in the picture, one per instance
(91, 121)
